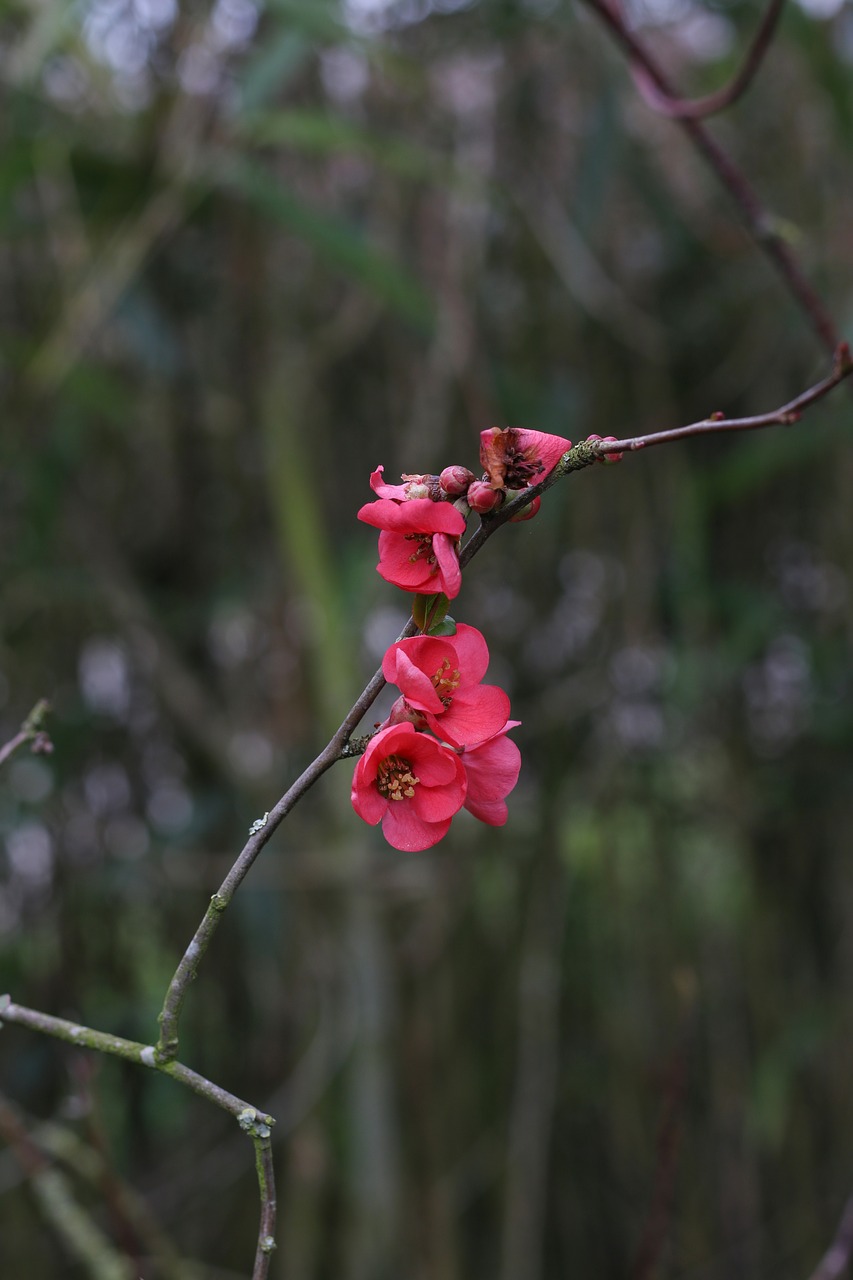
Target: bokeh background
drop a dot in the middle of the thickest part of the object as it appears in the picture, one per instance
(249, 251)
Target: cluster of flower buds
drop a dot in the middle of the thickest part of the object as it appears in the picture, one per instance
(444, 745)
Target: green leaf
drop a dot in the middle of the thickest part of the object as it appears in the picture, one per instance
(324, 133)
(271, 68)
(447, 627)
(429, 612)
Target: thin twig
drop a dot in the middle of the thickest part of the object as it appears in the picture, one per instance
(256, 1124)
(32, 730)
(676, 107)
(167, 1045)
(761, 224)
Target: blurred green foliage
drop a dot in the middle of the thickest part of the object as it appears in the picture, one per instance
(248, 252)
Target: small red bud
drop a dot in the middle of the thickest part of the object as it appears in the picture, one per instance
(455, 480)
(528, 512)
(604, 457)
(611, 457)
(482, 497)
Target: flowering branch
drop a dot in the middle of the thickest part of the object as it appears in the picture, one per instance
(677, 108)
(761, 224)
(444, 746)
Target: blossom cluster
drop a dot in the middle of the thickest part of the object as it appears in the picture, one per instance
(444, 745)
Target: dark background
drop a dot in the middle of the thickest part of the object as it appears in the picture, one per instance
(248, 253)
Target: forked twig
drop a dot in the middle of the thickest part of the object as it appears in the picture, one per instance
(762, 225)
(676, 107)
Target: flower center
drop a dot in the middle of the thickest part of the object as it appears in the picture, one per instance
(424, 547)
(446, 682)
(395, 780)
(521, 468)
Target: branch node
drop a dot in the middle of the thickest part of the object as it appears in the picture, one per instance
(843, 359)
(256, 1123)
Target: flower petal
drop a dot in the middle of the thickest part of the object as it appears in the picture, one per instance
(472, 654)
(473, 716)
(492, 768)
(403, 829)
(406, 664)
(419, 515)
(450, 574)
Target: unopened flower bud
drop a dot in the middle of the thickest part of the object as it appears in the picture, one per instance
(455, 480)
(482, 497)
(528, 512)
(605, 457)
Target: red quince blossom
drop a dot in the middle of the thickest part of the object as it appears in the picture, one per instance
(411, 784)
(492, 769)
(417, 544)
(440, 678)
(514, 458)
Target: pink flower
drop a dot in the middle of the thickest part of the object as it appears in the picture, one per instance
(440, 678)
(417, 545)
(411, 784)
(514, 458)
(492, 768)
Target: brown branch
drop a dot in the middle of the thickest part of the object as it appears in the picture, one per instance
(787, 415)
(674, 107)
(837, 1257)
(760, 223)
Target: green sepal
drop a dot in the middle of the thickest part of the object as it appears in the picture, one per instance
(429, 611)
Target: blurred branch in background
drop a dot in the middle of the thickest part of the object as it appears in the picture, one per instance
(762, 225)
(32, 731)
(677, 108)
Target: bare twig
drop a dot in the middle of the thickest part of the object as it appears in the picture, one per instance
(837, 1257)
(677, 108)
(589, 451)
(762, 226)
(32, 730)
(256, 1124)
